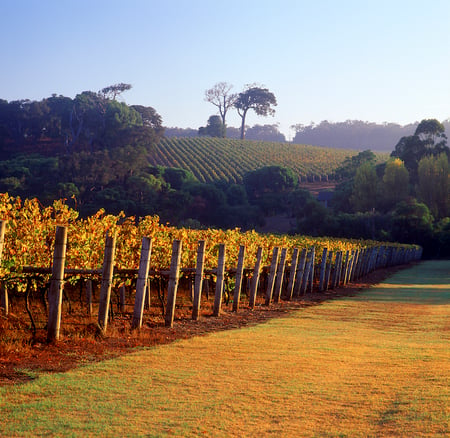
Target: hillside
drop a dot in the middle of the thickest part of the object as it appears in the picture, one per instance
(212, 159)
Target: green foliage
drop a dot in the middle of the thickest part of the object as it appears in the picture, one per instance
(177, 178)
(365, 188)
(269, 179)
(428, 139)
(412, 222)
(91, 121)
(351, 164)
(434, 184)
(214, 128)
(395, 186)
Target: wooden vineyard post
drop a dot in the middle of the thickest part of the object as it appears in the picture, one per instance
(292, 272)
(4, 300)
(280, 276)
(141, 283)
(334, 274)
(198, 279)
(307, 272)
(361, 258)
(311, 270)
(339, 268)
(323, 267)
(220, 280)
(89, 296)
(122, 294)
(349, 267)
(300, 273)
(355, 265)
(173, 282)
(346, 263)
(56, 285)
(328, 270)
(272, 275)
(107, 277)
(255, 279)
(238, 282)
(3, 290)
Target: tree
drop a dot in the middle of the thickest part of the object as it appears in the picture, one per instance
(150, 118)
(257, 99)
(221, 97)
(214, 128)
(432, 133)
(113, 91)
(428, 139)
(434, 184)
(269, 179)
(269, 188)
(412, 222)
(364, 194)
(351, 164)
(395, 182)
(265, 133)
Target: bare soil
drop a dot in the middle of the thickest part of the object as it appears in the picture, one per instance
(20, 360)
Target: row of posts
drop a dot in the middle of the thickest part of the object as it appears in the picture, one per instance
(347, 267)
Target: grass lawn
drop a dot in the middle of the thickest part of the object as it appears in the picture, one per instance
(373, 365)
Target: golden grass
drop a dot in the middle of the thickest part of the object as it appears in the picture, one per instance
(351, 367)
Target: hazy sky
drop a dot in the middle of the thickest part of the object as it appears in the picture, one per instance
(371, 60)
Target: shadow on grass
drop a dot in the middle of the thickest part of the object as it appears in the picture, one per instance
(425, 283)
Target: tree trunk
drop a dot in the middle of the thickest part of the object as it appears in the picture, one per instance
(243, 125)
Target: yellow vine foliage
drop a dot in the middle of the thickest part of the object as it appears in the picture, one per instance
(30, 231)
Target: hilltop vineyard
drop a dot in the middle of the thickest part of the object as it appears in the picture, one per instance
(213, 159)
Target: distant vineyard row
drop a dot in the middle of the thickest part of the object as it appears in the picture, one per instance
(213, 159)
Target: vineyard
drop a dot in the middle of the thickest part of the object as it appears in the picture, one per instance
(212, 159)
(262, 264)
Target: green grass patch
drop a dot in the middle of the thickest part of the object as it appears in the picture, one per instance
(351, 367)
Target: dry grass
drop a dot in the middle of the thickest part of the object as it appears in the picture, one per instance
(360, 366)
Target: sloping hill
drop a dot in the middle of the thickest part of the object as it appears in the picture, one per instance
(213, 159)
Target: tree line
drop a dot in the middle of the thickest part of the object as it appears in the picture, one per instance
(94, 151)
(406, 199)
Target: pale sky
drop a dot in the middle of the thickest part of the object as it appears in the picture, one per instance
(371, 60)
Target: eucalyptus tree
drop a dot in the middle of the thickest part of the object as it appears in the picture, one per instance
(221, 96)
(255, 98)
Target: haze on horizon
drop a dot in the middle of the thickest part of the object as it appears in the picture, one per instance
(377, 61)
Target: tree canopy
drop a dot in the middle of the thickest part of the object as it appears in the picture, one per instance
(255, 98)
(428, 139)
(220, 96)
(214, 128)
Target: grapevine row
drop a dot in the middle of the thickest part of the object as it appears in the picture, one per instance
(30, 235)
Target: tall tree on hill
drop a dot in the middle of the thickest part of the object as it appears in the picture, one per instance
(256, 98)
(115, 90)
(220, 96)
(428, 139)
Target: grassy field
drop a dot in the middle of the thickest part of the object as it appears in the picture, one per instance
(373, 365)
